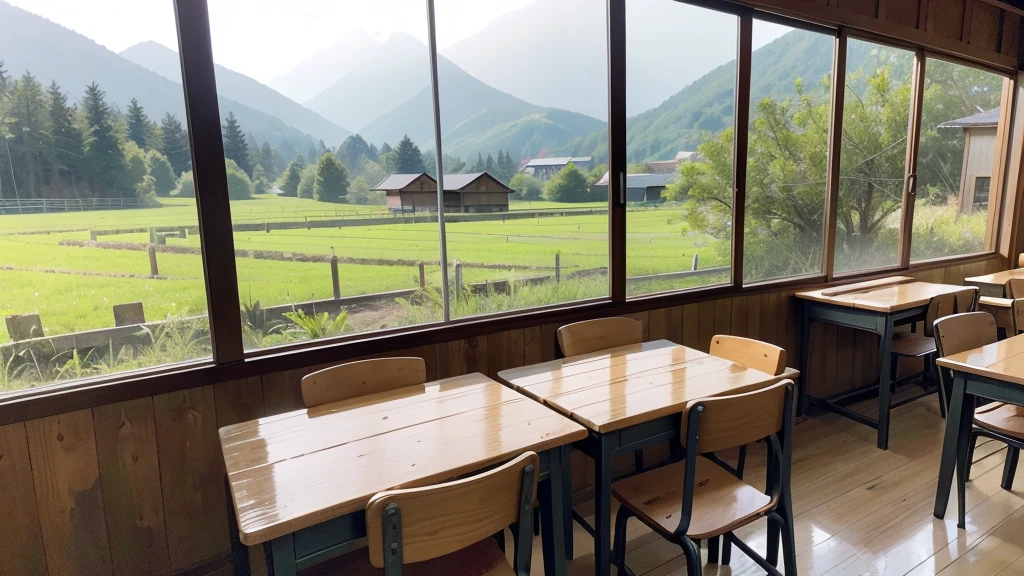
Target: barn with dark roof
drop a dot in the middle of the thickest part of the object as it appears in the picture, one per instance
(471, 193)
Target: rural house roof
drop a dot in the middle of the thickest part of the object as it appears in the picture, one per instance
(399, 181)
(456, 182)
(642, 180)
(561, 161)
(981, 119)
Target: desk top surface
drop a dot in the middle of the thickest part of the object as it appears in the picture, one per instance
(883, 295)
(996, 278)
(295, 470)
(620, 387)
(1003, 360)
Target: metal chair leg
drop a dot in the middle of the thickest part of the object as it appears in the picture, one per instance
(638, 460)
(1010, 467)
(619, 549)
(970, 454)
(726, 549)
(713, 550)
(499, 537)
(692, 553)
(774, 534)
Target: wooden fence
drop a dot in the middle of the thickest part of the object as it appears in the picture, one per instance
(48, 205)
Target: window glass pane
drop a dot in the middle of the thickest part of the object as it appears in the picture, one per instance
(876, 116)
(955, 161)
(98, 235)
(524, 102)
(787, 154)
(330, 201)
(679, 145)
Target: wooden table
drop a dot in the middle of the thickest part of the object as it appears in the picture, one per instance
(995, 372)
(300, 481)
(629, 398)
(992, 284)
(875, 306)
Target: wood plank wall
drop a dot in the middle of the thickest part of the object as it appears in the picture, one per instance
(137, 487)
(976, 29)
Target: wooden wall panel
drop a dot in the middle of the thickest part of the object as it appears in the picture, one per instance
(1010, 40)
(903, 12)
(540, 343)
(691, 318)
(462, 357)
(666, 324)
(705, 324)
(132, 498)
(191, 476)
(239, 401)
(946, 18)
(986, 25)
(21, 542)
(68, 491)
(282, 391)
(505, 350)
(865, 7)
(428, 353)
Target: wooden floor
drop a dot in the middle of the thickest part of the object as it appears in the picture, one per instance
(860, 510)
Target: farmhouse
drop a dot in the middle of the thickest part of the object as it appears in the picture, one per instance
(640, 187)
(979, 158)
(545, 168)
(478, 192)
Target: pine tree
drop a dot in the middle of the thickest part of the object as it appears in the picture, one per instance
(408, 158)
(289, 183)
(331, 183)
(175, 145)
(66, 138)
(138, 124)
(107, 168)
(235, 146)
(489, 165)
(506, 169)
(479, 166)
(267, 161)
(384, 149)
(30, 143)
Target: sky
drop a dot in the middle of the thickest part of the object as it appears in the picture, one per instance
(266, 38)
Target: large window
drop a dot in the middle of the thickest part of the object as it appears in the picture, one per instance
(524, 106)
(876, 118)
(679, 181)
(956, 160)
(99, 242)
(787, 153)
(333, 197)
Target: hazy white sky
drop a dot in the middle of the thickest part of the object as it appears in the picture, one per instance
(265, 38)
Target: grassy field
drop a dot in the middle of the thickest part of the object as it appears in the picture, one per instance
(73, 288)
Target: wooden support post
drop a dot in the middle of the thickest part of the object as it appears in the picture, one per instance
(129, 314)
(423, 276)
(696, 258)
(182, 232)
(334, 277)
(558, 267)
(93, 235)
(153, 270)
(24, 326)
(458, 277)
(266, 227)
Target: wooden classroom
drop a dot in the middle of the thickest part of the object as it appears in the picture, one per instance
(771, 427)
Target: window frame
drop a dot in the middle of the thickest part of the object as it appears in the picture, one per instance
(230, 361)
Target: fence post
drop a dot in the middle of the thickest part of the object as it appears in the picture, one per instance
(558, 267)
(458, 277)
(695, 258)
(266, 227)
(153, 270)
(334, 277)
(423, 276)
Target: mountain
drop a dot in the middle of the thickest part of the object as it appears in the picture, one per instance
(522, 136)
(555, 53)
(243, 89)
(386, 75)
(51, 52)
(707, 104)
(308, 79)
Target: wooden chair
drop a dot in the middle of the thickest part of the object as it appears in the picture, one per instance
(452, 528)
(997, 420)
(912, 345)
(600, 334)
(1017, 314)
(360, 378)
(1014, 288)
(696, 499)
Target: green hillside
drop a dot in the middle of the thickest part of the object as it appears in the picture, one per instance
(523, 136)
(707, 104)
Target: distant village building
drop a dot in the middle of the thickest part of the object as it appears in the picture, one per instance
(671, 166)
(979, 158)
(479, 192)
(640, 187)
(545, 168)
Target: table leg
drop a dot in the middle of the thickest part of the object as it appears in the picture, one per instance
(239, 551)
(805, 345)
(884, 393)
(552, 530)
(567, 498)
(963, 455)
(280, 554)
(603, 507)
(950, 443)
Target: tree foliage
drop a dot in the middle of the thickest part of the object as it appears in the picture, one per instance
(239, 185)
(175, 144)
(235, 146)
(163, 176)
(289, 182)
(526, 187)
(138, 124)
(569, 185)
(331, 183)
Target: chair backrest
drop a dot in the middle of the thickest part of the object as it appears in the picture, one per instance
(943, 305)
(751, 353)
(600, 334)
(360, 378)
(437, 520)
(1020, 261)
(1014, 288)
(731, 421)
(962, 332)
(1017, 313)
